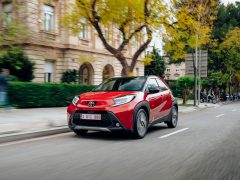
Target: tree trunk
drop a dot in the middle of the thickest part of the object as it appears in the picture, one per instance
(195, 80)
(184, 98)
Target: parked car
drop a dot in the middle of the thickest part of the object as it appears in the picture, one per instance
(124, 104)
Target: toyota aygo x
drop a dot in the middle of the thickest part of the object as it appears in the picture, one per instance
(126, 103)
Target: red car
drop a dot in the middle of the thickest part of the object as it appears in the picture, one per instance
(126, 103)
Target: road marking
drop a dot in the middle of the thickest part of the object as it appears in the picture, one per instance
(234, 110)
(167, 135)
(219, 115)
(34, 139)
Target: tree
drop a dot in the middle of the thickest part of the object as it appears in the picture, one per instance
(185, 84)
(127, 19)
(18, 64)
(190, 30)
(230, 48)
(157, 65)
(69, 76)
(228, 18)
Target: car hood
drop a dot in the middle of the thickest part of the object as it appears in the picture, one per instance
(101, 99)
(106, 95)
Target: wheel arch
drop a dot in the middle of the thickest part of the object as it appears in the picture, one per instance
(142, 105)
(175, 103)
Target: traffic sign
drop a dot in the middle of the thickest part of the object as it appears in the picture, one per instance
(202, 63)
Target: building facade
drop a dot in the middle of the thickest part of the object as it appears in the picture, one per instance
(54, 49)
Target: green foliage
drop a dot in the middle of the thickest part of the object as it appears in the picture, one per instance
(12, 78)
(193, 21)
(70, 76)
(228, 17)
(185, 84)
(157, 66)
(32, 95)
(173, 86)
(213, 81)
(18, 64)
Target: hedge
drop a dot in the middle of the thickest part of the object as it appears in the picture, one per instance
(32, 95)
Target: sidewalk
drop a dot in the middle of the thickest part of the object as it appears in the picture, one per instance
(24, 120)
(37, 119)
(185, 109)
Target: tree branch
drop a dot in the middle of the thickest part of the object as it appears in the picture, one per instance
(95, 23)
(127, 40)
(149, 36)
(141, 48)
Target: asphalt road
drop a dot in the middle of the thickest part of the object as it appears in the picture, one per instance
(204, 146)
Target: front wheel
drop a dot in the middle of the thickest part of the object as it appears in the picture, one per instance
(172, 123)
(140, 124)
(80, 132)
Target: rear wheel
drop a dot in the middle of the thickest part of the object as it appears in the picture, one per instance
(140, 124)
(214, 101)
(80, 132)
(172, 123)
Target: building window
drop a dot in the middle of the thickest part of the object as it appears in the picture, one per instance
(83, 34)
(48, 71)
(177, 69)
(7, 14)
(49, 24)
(168, 69)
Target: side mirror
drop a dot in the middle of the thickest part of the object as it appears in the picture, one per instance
(153, 91)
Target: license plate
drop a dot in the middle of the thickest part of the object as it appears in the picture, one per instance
(90, 116)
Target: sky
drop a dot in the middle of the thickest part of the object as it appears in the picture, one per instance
(229, 1)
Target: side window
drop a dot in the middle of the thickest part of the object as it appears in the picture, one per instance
(162, 86)
(152, 84)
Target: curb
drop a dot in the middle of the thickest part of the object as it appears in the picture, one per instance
(32, 134)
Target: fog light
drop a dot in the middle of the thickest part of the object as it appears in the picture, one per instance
(117, 124)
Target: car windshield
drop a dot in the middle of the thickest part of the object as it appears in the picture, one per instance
(122, 84)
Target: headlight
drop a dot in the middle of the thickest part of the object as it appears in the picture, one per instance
(75, 100)
(123, 100)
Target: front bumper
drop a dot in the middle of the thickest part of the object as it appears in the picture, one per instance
(108, 123)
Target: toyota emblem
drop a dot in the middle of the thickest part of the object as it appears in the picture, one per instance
(91, 103)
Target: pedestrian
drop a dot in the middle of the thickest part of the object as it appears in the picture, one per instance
(3, 89)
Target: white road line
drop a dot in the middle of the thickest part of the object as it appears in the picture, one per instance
(234, 110)
(34, 139)
(219, 115)
(181, 130)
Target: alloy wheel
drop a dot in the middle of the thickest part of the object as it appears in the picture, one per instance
(142, 123)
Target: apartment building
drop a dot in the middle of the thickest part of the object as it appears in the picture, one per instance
(55, 49)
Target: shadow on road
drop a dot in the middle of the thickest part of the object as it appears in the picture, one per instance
(119, 136)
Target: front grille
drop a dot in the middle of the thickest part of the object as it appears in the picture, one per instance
(104, 122)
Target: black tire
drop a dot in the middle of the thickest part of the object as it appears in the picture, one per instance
(173, 118)
(80, 132)
(140, 124)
